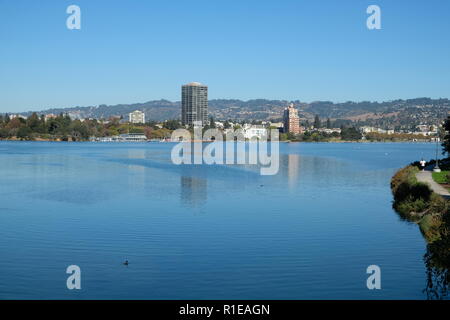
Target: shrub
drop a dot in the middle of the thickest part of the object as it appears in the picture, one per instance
(406, 175)
(411, 198)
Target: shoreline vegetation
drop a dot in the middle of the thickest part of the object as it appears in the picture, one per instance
(415, 202)
(63, 128)
(57, 139)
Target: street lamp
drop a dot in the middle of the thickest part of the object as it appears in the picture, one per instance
(436, 167)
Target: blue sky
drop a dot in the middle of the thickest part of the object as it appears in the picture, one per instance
(135, 51)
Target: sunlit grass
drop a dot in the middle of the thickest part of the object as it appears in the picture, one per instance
(441, 177)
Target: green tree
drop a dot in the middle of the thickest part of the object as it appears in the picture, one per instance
(212, 123)
(24, 132)
(446, 136)
(33, 122)
(317, 123)
(172, 124)
(350, 134)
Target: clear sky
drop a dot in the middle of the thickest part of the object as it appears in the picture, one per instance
(135, 50)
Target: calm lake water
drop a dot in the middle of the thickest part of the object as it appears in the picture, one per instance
(205, 232)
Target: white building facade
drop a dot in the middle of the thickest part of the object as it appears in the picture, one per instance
(255, 132)
(137, 117)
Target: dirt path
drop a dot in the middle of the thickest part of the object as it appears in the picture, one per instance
(425, 176)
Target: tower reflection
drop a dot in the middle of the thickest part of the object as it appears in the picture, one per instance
(193, 191)
(293, 169)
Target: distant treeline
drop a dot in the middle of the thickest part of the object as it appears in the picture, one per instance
(347, 134)
(63, 128)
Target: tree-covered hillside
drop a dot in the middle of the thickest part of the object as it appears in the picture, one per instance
(397, 113)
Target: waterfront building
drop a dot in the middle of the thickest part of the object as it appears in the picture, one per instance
(366, 129)
(132, 137)
(291, 120)
(194, 104)
(127, 137)
(254, 132)
(329, 130)
(13, 116)
(137, 117)
(276, 124)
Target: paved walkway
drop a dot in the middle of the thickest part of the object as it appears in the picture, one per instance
(425, 176)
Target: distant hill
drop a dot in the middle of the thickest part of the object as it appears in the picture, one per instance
(388, 114)
(155, 110)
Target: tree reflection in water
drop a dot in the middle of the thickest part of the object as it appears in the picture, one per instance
(437, 262)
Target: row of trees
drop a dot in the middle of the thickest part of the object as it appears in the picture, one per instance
(319, 124)
(60, 127)
(347, 134)
(375, 136)
(63, 128)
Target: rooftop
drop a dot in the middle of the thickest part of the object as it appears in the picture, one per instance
(196, 84)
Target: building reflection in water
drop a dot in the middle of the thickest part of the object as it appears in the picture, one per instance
(134, 154)
(193, 191)
(293, 170)
(136, 158)
(290, 170)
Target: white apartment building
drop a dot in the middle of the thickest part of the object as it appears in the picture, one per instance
(137, 117)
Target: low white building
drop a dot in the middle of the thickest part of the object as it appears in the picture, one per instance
(276, 124)
(376, 130)
(219, 124)
(128, 137)
(248, 132)
(330, 130)
(12, 116)
(255, 132)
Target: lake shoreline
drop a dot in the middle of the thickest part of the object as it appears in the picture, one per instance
(416, 202)
(295, 142)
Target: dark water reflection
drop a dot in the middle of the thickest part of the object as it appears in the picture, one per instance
(193, 191)
(437, 261)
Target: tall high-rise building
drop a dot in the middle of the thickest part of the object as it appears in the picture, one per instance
(291, 120)
(194, 104)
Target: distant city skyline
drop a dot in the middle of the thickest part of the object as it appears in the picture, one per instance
(130, 52)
